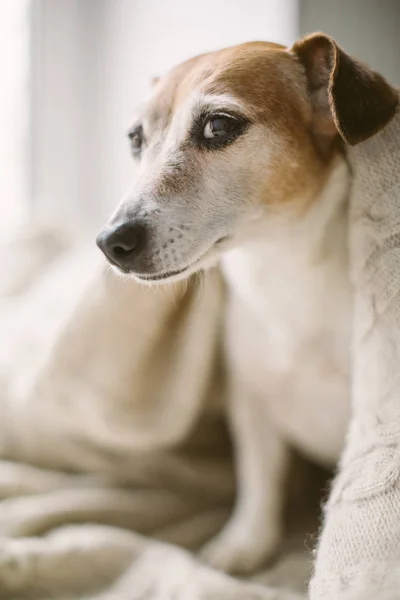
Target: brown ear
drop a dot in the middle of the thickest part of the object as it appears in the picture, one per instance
(346, 95)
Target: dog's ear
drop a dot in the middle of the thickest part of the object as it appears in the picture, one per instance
(347, 96)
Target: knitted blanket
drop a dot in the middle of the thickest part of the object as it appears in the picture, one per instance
(359, 551)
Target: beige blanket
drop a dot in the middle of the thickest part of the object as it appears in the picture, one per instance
(359, 551)
(115, 454)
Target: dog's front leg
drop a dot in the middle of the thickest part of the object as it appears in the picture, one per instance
(254, 530)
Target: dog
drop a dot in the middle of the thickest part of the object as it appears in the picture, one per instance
(243, 163)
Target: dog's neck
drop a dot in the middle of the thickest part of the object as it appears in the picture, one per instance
(281, 248)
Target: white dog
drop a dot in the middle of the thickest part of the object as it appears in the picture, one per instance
(242, 159)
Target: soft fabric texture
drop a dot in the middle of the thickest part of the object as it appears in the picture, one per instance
(358, 556)
(113, 436)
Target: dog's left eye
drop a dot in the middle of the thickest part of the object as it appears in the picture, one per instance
(219, 126)
(136, 140)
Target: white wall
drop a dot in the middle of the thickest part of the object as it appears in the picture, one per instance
(97, 58)
(369, 29)
(62, 105)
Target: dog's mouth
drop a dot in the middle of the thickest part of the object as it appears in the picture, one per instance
(174, 273)
(161, 276)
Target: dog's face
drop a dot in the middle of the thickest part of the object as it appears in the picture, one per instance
(227, 140)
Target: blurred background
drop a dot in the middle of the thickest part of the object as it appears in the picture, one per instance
(72, 72)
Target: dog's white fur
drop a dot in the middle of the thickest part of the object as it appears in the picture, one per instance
(288, 338)
(284, 259)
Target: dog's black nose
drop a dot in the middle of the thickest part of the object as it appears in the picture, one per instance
(121, 243)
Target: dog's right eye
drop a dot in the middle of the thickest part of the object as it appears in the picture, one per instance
(216, 131)
(218, 127)
(136, 139)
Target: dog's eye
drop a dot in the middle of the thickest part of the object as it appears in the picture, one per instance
(216, 131)
(136, 139)
(219, 126)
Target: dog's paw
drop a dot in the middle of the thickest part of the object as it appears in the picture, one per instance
(240, 551)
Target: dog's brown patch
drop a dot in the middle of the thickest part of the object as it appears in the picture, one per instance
(310, 98)
(270, 84)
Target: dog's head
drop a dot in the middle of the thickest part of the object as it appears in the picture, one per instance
(234, 137)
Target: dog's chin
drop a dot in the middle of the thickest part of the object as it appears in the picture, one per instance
(206, 261)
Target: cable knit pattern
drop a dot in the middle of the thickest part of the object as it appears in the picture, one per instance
(359, 550)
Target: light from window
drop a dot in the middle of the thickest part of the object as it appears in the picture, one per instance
(14, 113)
